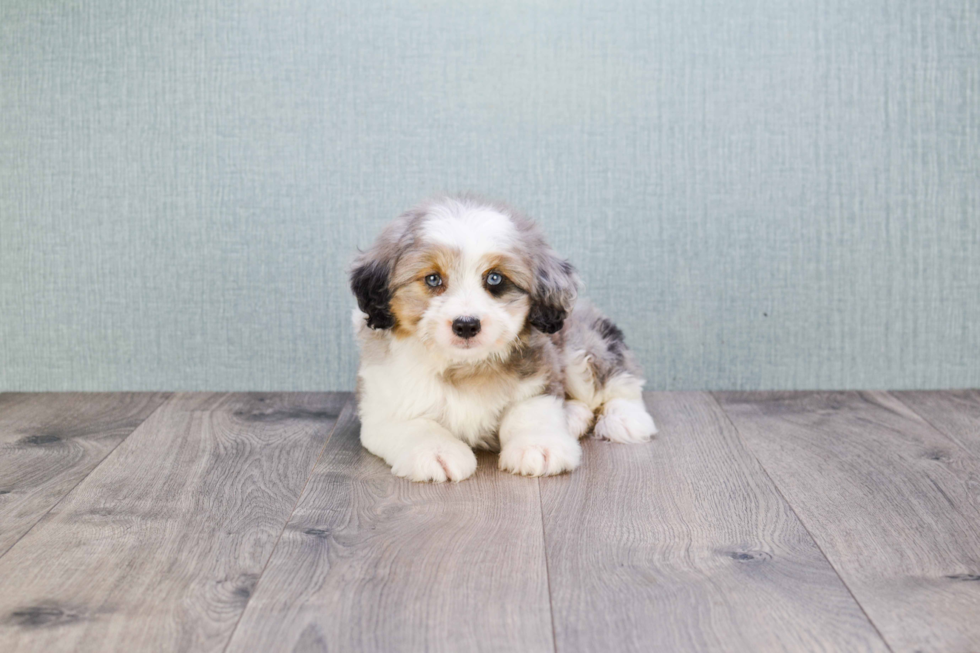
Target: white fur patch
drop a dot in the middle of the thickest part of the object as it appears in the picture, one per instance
(409, 385)
(625, 421)
(474, 231)
(579, 418)
(534, 439)
(437, 461)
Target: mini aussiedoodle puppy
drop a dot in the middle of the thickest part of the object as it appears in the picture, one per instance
(470, 337)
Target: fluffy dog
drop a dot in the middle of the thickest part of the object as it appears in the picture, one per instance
(470, 337)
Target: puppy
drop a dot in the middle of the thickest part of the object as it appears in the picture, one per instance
(470, 338)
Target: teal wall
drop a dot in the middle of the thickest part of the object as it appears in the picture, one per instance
(764, 194)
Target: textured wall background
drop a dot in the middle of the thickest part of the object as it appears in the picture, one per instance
(765, 194)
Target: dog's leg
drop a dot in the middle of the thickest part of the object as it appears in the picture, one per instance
(419, 449)
(623, 416)
(535, 439)
(579, 416)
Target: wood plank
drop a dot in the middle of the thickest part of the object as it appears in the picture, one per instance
(683, 544)
(955, 413)
(372, 562)
(159, 548)
(51, 441)
(891, 501)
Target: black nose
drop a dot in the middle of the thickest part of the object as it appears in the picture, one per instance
(466, 327)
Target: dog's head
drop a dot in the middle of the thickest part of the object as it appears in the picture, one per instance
(464, 276)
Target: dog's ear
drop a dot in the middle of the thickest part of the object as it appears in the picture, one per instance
(554, 292)
(370, 282)
(370, 277)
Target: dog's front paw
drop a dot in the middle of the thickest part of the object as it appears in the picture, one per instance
(626, 421)
(541, 455)
(449, 460)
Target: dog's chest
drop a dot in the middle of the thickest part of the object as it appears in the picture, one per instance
(472, 408)
(472, 411)
(470, 405)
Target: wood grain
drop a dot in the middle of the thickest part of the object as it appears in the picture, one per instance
(371, 562)
(683, 544)
(894, 504)
(49, 442)
(159, 548)
(955, 413)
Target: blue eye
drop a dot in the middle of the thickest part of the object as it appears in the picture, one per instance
(433, 281)
(494, 279)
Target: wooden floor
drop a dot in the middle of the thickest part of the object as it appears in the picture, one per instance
(255, 522)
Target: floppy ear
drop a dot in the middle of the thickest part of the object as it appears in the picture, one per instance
(369, 281)
(371, 274)
(554, 293)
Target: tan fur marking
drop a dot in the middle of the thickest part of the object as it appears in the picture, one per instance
(510, 266)
(416, 264)
(411, 297)
(408, 305)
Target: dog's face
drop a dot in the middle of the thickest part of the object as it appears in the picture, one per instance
(464, 277)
